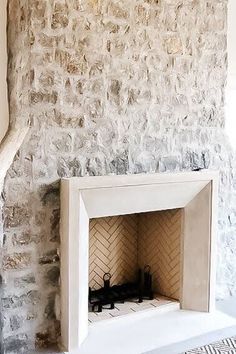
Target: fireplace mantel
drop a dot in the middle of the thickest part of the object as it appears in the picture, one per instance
(92, 197)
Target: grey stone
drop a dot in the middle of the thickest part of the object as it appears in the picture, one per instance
(121, 164)
(48, 337)
(49, 257)
(16, 344)
(12, 302)
(170, 164)
(69, 167)
(24, 281)
(21, 239)
(62, 142)
(16, 322)
(16, 216)
(50, 307)
(49, 194)
(195, 161)
(54, 221)
(53, 275)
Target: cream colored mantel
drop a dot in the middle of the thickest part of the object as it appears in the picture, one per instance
(92, 197)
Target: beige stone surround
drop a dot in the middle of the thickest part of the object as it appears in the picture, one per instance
(85, 198)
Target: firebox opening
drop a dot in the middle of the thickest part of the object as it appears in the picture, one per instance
(129, 252)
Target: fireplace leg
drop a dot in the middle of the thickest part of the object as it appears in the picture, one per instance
(140, 299)
(151, 297)
(97, 308)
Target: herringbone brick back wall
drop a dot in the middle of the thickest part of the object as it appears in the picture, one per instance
(159, 246)
(121, 244)
(114, 249)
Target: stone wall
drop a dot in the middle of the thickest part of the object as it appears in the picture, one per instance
(111, 87)
(3, 70)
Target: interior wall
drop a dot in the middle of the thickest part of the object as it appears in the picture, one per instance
(113, 248)
(4, 115)
(110, 88)
(121, 245)
(160, 247)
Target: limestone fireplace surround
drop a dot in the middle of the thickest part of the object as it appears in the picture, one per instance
(94, 197)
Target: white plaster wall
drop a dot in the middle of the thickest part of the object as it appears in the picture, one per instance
(231, 85)
(4, 116)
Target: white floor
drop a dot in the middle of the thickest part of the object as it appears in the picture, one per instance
(227, 306)
(196, 342)
(152, 331)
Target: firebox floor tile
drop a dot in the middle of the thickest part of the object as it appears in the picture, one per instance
(129, 307)
(120, 313)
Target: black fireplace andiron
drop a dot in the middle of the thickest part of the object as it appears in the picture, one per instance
(109, 295)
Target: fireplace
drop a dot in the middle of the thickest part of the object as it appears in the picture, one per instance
(123, 224)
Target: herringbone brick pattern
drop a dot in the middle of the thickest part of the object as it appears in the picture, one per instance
(121, 244)
(114, 249)
(159, 246)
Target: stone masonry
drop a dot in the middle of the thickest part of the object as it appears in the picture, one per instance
(110, 87)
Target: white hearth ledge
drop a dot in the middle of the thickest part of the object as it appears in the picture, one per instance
(90, 197)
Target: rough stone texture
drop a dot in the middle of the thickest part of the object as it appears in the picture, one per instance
(16, 261)
(110, 87)
(17, 344)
